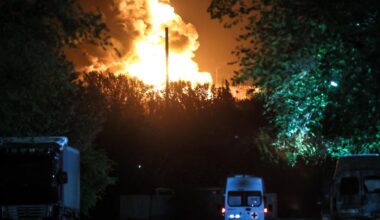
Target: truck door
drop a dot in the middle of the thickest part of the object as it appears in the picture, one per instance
(235, 205)
(255, 204)
(371, 195)
(349, 195)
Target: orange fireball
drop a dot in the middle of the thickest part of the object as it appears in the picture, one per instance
(147, 61)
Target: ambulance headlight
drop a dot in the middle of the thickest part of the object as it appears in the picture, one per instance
(234, 216)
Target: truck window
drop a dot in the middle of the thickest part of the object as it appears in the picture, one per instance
(349, 186)
(372, 184)
(254, 198)
(235, 198)
(244, 198)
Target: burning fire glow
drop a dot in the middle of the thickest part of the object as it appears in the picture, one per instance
(148, 60)
(145, 58)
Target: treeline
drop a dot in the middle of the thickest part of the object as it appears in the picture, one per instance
(196, 131)
(192, 140)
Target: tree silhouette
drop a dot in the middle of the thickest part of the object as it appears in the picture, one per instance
(316, 65)
(39, 95)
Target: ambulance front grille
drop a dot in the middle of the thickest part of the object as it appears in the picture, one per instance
(29, 212)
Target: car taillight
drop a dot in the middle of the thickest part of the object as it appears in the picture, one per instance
(223, 210)
(265, 210)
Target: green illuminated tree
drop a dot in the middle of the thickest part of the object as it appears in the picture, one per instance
(317, 65)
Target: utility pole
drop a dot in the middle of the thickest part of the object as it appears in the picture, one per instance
(167, 64)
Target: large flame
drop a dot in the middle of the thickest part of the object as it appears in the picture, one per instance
(147, 61)
(138, 34)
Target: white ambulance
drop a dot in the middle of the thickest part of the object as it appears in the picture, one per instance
(244, 198)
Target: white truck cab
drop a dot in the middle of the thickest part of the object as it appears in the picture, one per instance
(244, 198)
(355, 192)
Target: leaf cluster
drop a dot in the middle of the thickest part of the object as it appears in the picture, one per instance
(315, 62)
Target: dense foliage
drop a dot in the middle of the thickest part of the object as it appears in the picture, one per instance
(142, 127)
(188, 143)
(38, 94)
(317, 65)
(194, 139)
